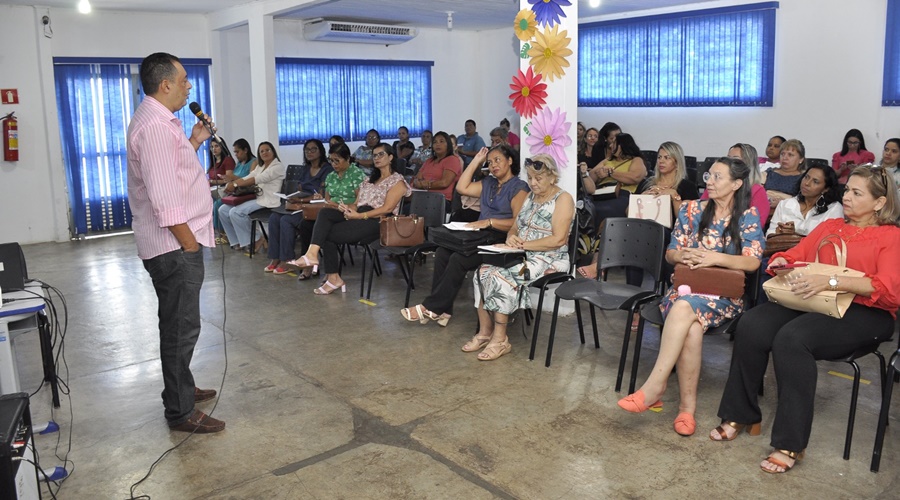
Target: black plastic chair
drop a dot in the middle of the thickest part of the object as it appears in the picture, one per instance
(624, 242)
(649, 160)
(290, 184)
(888, 389)
(430, 205)
(650, 312)
(546, 280)
(703, 168)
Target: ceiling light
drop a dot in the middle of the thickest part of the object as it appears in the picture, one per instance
(594, 3)
(84, 6)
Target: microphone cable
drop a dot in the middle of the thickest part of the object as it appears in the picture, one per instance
(218, 397)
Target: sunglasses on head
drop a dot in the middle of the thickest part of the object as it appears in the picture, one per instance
(535, 164)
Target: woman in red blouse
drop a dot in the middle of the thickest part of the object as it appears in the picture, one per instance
(797, 339)
(441, 171)
(853, 152)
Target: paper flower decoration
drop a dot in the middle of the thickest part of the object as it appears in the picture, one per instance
(528, 93)
(548, 12)
(550, 135)
(549, 52)
(525, 24)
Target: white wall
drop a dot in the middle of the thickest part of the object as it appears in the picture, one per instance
(829, 60)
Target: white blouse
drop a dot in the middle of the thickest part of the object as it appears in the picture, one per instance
(789, 211)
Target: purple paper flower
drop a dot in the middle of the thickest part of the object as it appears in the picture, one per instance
(549, 134)
(548, 12)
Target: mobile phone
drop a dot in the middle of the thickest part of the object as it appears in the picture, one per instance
(787, 267)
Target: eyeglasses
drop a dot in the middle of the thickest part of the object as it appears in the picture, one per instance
(536, 165)
(370, 137)
(716, 177)
(334, 161)
(853, 143)
(310, 150)
(379, 155)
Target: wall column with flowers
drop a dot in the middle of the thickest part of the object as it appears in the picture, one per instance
(545, 89)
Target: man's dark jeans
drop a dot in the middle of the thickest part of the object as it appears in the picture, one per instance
(177, 277)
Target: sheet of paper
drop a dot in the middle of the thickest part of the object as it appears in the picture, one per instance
(499, 248)
(459, 226)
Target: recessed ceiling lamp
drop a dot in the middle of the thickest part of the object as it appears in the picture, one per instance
(84, 6)
(594, 3)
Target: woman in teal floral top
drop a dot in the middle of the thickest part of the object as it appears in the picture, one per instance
(724, 232)
(542, 231)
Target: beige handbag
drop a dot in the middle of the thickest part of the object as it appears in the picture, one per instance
(651, 207)
(827, 302)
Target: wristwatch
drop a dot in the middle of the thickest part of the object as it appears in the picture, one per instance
(832, 282)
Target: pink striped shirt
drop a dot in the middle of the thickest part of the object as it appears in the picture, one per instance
(166, 182)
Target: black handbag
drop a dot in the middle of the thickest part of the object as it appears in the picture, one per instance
(464, 242)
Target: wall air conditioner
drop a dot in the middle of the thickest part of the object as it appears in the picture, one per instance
(339, 31)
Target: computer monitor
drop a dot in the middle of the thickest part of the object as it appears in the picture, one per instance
(13, 272)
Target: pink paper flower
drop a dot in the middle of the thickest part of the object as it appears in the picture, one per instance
(528, 93)
(550, 135)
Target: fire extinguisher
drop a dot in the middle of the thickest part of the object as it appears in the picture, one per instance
(10, 138)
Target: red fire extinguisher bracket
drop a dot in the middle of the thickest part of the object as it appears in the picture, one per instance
(10, 137)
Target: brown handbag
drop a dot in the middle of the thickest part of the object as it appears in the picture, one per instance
(784, 238)
(311, 210)
(710, 280)
(402, 230)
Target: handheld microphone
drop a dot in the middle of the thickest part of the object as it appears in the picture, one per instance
(195, 108)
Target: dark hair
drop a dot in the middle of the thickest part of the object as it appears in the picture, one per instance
(244, 145)
(504, 122)
(895, 140)
(155, 68)
(342, 150)
(446, 137)
(376, 172)
(604, 133)
(783, 140)
(737, 170)
(225, 151)
(376, 134)
(321, 147)
(401, 127)
(507, 151)
(407, 145)
(832, 188)
(337, 138)
(274, 152)
(853, 132)
(629, 148)
(472, 122)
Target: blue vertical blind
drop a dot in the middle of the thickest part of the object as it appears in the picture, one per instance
(95, 103)
(318, 98)
(890, 92)
(714, 57)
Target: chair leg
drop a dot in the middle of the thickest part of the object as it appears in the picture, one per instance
(852, 418)
(883, 416)
(537, 313)
(580, 326)
(375, 263)
(552, 332)
(528, 316)
(636, 357)
(625, 340)
(594, 327)
(362, 281)
(252, 237)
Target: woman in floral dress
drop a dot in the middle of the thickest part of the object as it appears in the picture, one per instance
(542, 231)
(724, 232)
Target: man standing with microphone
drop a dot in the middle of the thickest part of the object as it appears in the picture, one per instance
(172, 222)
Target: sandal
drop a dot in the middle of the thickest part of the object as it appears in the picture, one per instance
(304, 276)
(632, 404)
(422, 315)
(494, 350)
(778, 463)
(476, 343)
(589, 272)
(752, 429)
(331, 288)
(685, 424)
(443, 319)
(303, 262)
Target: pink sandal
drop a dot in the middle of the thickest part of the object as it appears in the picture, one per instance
(331, 288)
(303, 262)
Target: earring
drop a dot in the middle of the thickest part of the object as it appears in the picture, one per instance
(820, 203)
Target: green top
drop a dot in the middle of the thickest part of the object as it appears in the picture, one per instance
(342, 189)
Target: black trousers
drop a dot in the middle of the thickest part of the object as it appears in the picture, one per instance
(796, 340)
(450, 270)
(332, 229)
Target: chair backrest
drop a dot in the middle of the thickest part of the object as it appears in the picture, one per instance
(633, 242)
(703, 168)
(430, 205)
(817, 161)
(690, 167)
(291, 182)
(649, 160)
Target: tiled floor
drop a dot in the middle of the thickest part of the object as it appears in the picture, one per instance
(326, 397)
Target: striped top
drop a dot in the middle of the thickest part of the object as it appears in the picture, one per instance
(166, 182)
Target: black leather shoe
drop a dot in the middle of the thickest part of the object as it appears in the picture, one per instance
(199, 423)
(201, 395)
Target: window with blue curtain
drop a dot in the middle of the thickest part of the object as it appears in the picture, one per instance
(712, 57)
(95, 100)
(318, 98)
(890, 92)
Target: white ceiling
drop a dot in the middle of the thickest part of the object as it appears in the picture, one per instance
(468, 14)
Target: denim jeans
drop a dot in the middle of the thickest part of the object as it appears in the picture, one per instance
(236, 222)
(177, 277)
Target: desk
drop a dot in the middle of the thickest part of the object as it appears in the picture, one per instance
(18, 317)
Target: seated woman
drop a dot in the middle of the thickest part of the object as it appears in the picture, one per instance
(817, 201)
(853, 152)
(725, 232)
(220, 163)
(542, 230)
(797, 339)
(335, 141)
(773, 154)
(591, 151)
(379, 195)
(267, 176)
(501, 196)
(423, 152)
(890, 157)
(781, 183)
(625, 168)
(441, 171)
(609, 133)
(758, 197)
(283, 227)
(363, 154)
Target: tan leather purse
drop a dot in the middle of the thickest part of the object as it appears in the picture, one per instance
(710, 280)
(402, 230)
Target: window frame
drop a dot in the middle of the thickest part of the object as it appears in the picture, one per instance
(890, 90)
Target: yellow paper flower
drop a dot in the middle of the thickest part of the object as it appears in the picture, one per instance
(526, 24)
(549, 51)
